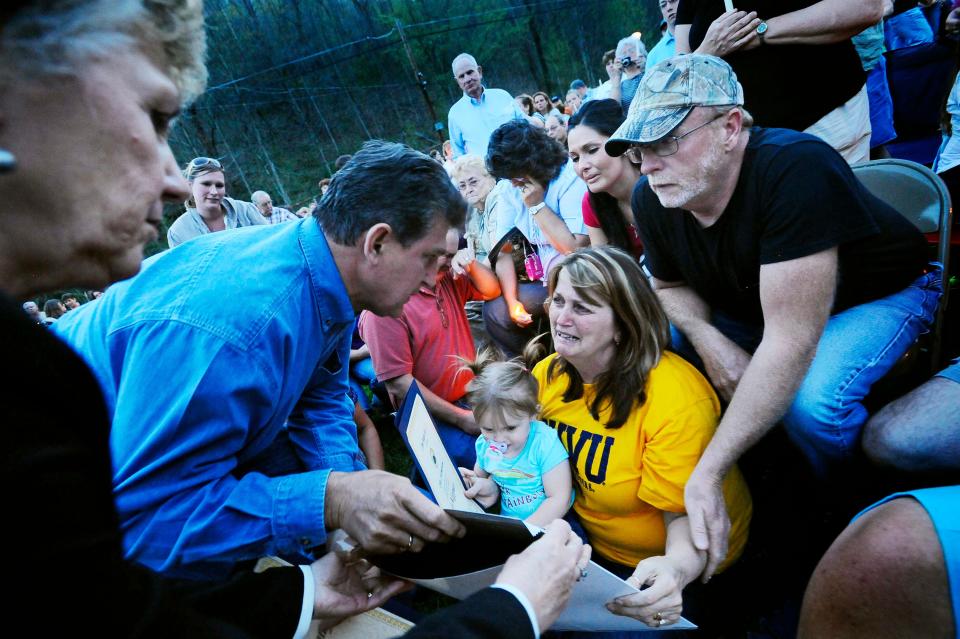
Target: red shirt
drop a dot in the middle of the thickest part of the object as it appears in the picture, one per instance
(418, 343)
(590, 219)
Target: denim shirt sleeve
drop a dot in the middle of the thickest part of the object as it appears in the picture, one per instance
(321, 424)
(186, 404)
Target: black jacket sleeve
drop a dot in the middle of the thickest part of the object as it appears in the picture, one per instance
(65, 570)
(492, 613)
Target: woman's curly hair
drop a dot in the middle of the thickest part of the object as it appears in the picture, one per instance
(519, 149)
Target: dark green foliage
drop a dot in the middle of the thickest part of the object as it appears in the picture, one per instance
(279, 126)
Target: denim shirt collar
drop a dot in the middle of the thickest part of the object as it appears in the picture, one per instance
(329, 290)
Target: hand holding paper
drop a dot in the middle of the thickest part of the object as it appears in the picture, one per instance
(384, 512)
(342, 590)
(661, 603)
(546, 571)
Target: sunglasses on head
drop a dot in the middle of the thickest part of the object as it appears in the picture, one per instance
(201, 162)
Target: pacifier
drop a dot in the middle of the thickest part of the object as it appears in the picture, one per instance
(499, 447)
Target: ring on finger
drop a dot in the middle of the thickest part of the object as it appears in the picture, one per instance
(658, 616)
(409, 543)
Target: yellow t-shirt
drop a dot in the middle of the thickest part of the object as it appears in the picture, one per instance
(627, 475)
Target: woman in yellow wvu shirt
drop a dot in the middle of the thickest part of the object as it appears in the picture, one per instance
(635, 420)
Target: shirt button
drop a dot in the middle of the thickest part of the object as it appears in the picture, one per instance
(306, 543)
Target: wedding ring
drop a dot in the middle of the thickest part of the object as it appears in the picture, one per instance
(658, 617)
(410, 543)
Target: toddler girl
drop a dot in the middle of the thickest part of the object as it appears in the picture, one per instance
(520, 460)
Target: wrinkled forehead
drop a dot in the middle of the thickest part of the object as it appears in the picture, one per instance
(471, 173)
(463, 66)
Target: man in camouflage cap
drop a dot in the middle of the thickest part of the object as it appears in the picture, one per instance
(791, 286)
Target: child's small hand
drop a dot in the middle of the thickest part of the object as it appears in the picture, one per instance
(483, 489)
(469, 477)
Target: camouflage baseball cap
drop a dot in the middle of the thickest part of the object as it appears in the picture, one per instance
(669, 92)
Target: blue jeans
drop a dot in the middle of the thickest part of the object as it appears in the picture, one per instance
(508, 336)
(858, 347)
(362, 374)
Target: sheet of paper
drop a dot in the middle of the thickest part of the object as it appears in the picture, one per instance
(373, 624)
(438, 469)
(585, 611)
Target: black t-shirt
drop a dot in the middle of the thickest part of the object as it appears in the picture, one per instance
(795, 196)
(791, 85)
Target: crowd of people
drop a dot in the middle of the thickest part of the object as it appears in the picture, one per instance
(674, 274)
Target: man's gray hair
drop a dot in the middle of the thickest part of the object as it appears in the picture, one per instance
(393, 184)
(56, 37)
(463, 56)
(634, 41)
(258, 197)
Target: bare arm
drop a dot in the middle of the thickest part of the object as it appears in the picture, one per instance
(550, 223)
(681, 34)
(557, 484)
(438, 407)
(557, 232)
(483, 279)
(368, 438)
(507, 275)
(825, 22)
(357, 354)
(723, 359)
(615, 79)
(597, 236)
(796, 297)
(666, 576)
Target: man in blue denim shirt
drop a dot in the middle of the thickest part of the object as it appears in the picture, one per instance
(224, 350)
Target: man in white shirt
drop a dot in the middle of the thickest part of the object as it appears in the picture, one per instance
(479, 112)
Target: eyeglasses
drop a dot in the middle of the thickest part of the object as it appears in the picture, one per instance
(201, 162)
(668, 144)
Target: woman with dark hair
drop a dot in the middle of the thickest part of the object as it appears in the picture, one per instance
(610, 180)
(543, 106)
(635, 419)
(526, 104)
(54, 310)
(543, 212)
